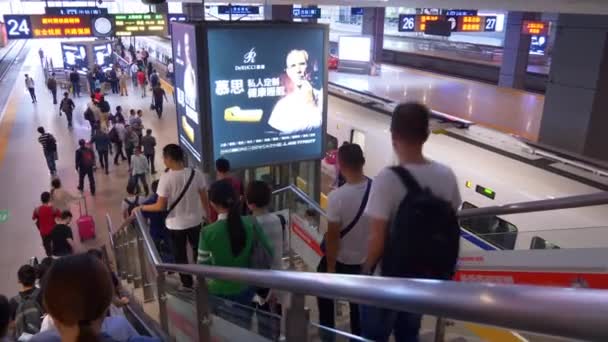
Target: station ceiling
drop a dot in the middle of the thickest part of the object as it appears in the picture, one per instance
(545, 6)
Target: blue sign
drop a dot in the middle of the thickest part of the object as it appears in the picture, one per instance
(407, 23)
(356, 11)
(76, 10)
(176, 17)
(538, 45)
(18, 26)
(460, 12)
(238, 10)
(307, 13)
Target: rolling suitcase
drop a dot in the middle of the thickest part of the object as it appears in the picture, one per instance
(85, 223)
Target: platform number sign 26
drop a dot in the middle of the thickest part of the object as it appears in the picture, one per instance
(407, 23)
(490, 24)
(18, 26)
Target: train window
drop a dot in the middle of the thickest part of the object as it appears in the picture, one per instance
(490, 228)
(332, 143)
(540, 243)
(358, 137)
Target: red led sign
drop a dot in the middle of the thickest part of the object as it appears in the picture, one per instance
(48, 26)
(535, 28)
(469, 23)
(422, 20)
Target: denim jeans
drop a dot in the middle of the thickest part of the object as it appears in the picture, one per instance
(377, 324)
(50, 162)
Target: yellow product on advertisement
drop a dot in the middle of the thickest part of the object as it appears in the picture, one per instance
(236, 114)
(188, 130)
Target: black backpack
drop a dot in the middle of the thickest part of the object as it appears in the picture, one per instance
(51, 145)
(424, 236)
(132, 205)
(113, 135)
(28, 316)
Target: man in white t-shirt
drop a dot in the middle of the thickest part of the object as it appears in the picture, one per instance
(347, 230)
(186, 214)
(409, 131)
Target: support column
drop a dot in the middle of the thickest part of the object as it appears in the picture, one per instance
(515, 52)
(576, 101)
(278, 12)
(161, 8)
(373, 25)
(193, 10)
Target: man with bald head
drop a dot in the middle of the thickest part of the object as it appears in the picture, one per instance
(301, 109)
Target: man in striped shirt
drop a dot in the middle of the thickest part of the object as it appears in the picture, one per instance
(49, 148)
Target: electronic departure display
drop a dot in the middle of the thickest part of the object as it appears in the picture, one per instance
(184, 41)
(143, 24)
(307, 13)
(458, 23)
(76, 10)
(57, 26)
(53, 26)
(238, 10)
(537, 28)
(268, 92)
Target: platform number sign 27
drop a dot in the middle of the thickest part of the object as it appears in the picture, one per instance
(407, 23)
(18, 26)
(490, 24)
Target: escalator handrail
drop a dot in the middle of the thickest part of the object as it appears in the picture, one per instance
(569, 202)
(565, 312)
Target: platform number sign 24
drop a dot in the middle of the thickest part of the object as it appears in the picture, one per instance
(18, 26)
(407, 23)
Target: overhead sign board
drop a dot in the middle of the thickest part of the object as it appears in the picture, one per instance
(238, 10)
(142, 24)
(460, 12)
(57, 26)
(175, 17)
(76, 10)
(458, 23)
(356, 11)
(407, 23)
(307, 13)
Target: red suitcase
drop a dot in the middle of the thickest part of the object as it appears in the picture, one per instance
(85, 223)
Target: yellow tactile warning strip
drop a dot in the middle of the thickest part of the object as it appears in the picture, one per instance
(491, 334)
(6, 125)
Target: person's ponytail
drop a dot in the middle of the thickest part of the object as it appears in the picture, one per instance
(236, 230)
(221, 193)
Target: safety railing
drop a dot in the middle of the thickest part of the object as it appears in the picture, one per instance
(578, 314)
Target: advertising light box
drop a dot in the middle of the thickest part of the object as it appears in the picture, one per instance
(355, 48)
(267, 91)
(75, 56)
(143, 24)
(103, 54)
(184, 41)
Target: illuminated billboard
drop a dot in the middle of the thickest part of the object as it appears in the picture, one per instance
(267, 91)
(75, 56)
(184, 40)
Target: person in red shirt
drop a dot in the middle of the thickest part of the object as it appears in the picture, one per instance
(45, 216)
(141, 80)
(222, 169)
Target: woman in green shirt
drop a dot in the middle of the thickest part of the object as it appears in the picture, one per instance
(228, 242)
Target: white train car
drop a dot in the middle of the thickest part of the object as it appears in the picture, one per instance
(483, 174)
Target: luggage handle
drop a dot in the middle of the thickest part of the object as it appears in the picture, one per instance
(86, 210)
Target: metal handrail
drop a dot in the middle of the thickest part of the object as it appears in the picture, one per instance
(569, 202)
(572, 313)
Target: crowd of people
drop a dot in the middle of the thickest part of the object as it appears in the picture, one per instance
(231, 225)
